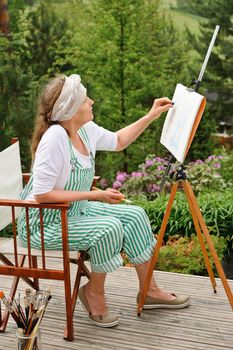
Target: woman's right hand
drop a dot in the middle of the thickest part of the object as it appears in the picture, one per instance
(110, 196)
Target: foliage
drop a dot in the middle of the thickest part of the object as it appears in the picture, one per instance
(219, 73)
(216, 208)
(26, 58)
(227, 168)
(184, 255)
(206, 175)
(203, 176)
(124, 72)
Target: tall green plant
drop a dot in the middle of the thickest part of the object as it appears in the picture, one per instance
(26, 62)
(128, 54)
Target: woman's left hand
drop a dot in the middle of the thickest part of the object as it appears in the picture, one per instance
(160, 105)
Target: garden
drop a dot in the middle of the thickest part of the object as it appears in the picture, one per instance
(123, 74)
(211, 181)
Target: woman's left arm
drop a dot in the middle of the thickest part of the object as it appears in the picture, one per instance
(131, 132)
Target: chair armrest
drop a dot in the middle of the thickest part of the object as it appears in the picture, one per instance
(26, 177)
(32, 204)
(95, 180)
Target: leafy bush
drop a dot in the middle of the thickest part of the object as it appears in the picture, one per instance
(184, 255)
(203, 176)
(216, 207)
(227, 168)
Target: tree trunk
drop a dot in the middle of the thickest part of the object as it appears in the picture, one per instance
(4, 17)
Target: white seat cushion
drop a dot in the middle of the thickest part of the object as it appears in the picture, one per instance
(8, 248)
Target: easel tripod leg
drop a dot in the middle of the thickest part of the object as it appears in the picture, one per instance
(157, 247)
(211, 246)
(199, 235)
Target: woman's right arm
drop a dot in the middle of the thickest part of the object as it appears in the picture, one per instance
(59, 196)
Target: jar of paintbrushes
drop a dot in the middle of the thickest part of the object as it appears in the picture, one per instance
(28, 317)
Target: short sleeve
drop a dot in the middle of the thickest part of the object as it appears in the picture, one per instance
(49, 161)
(105, 140)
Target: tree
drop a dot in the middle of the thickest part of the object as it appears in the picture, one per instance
(26, 62)
(218, 77)
(4, 17)
(128, 54)
(219, 73)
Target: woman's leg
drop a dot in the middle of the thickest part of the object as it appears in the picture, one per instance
(154, 291)
(94, 291)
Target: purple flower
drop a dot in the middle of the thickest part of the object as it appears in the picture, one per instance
(121, 176)
(149, 162)
(211, 157)
(151, 188)
(199, 161)
(160, 167)
(220, 157)
(217, 165)
(158, 159)
(116, 185)
(137, 174)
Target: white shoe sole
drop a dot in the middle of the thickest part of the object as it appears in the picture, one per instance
(166, 306)
(98, 324)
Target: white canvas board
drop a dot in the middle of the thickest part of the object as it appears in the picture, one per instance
(179, 121)
(11, 183)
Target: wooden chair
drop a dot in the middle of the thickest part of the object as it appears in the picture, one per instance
(33, 271)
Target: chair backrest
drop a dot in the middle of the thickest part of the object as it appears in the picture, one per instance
(11, 182)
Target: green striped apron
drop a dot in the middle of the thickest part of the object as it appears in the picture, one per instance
(80, 180)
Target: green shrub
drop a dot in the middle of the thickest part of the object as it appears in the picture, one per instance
(216, 207)
(184, 255)
(227, 168)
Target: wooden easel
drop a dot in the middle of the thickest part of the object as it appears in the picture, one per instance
(202, 234)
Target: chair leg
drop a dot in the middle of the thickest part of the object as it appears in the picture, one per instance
(35, 265)
(4, 320)
(69, 327)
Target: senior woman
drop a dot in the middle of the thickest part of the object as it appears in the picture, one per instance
(64, 144)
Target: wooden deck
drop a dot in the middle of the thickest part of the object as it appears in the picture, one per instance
(206, 324)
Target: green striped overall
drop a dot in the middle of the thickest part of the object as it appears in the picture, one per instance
(102, 229)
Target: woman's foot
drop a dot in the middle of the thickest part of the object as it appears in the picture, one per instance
(159, 298)
(161, 294)
(98, 313)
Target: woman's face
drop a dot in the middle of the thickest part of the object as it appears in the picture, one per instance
(85, 113)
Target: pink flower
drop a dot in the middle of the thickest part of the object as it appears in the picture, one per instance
(158, 159)
(211, 157)
(137, 174)
(217, 165)
(151, 188)
(199, 161)
(160, 167)
(121, 176)
(149, 162)
(116, 185)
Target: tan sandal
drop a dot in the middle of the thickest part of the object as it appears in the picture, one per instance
(156, 303)
(106, 320)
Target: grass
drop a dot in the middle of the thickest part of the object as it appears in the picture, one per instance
(181, 19)
(73, 11)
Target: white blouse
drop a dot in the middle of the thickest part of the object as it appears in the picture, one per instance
(52, 166)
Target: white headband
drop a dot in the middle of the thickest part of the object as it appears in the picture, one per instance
(73, 94)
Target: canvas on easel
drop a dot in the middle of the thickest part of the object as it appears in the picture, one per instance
(182, 121)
